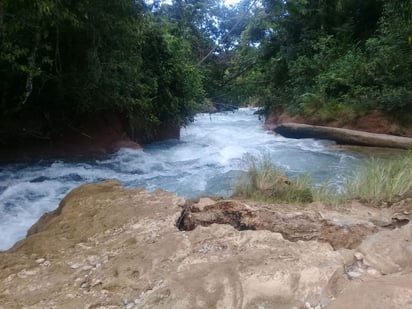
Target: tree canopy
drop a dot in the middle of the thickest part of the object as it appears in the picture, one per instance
(156, 62)
(335, 59)
(61, 60)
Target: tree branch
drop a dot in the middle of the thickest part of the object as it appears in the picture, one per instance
(29, 80)
(227, 34)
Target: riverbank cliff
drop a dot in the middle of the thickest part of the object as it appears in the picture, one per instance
(372, 129)
(110, 247)
(94, 136)
(372, 122)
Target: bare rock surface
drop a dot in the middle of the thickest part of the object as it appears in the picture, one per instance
(339, 230)
(389, 251)
(379, 293)
(381, 272)
(110, 247)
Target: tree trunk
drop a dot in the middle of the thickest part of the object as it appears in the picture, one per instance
(343, 136)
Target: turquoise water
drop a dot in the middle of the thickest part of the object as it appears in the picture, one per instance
(206, 161)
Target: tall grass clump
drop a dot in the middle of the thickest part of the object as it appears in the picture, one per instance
(264, 181)
(376, 181)
(380, 180)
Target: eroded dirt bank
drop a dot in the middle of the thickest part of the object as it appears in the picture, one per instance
(373, 122)
(93, 137)
(109, 247)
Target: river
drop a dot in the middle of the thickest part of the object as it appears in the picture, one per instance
(206, 161)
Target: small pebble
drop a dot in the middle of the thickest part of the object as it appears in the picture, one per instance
(373, 272)
(85, 285)
(75, 266)
(308, 306)
(46, 263)
(40, 260)
(87, 267)
(95, 282)
(358, 256)
(354, 274)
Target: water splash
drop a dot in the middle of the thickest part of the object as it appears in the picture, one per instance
(206, 161)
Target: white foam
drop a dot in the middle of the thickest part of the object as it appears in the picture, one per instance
(205, 161)
(22, 204)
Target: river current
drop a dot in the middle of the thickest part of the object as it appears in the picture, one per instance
(206, 161)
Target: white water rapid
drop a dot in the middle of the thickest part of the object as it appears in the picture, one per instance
(206, 161)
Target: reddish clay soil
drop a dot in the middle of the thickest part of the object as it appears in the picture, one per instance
(98, 136)
(373, 122)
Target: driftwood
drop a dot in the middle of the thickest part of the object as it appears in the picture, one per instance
(343, 136)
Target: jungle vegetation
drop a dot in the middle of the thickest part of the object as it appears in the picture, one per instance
(157, 62)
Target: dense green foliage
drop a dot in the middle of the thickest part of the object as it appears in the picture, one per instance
(154, 62)
(63, 60)
(333, 59)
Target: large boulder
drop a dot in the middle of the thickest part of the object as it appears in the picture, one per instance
(384, 273)
(110, 247)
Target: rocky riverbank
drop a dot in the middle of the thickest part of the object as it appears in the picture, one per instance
(109, 247)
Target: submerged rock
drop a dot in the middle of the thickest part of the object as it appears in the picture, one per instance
(109, 247)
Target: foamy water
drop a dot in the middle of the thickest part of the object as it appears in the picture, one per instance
(206, 161)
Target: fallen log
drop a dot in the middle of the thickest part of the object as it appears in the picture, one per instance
(343, 136)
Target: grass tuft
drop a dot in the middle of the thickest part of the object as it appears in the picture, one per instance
(376, 181)
(264, 181)
(380, 180)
